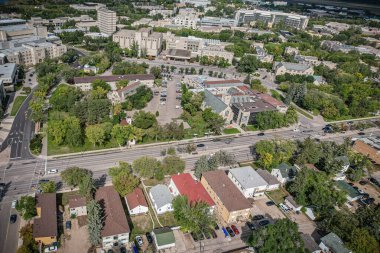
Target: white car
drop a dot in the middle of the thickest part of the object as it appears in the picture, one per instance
(139, 240)
(52, 171)
(14, 203)
(162, 103)
(177, 107)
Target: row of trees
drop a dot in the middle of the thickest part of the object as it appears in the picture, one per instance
(274, 119)
(209, 163)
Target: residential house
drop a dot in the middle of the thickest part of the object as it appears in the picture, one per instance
(185, 185)
(136, 202)
(115, 231)
(248, 181)
(231, 205)
(163, 238)
(345, 164)
(281, 68)
(370, 147)
(292, 204)
(305, 59)
(351, 193)
(331, 243)
(45, 227)
(291, 51)
(284, 173)
(161, 198)
(272, 182)
(77, 205)
(84, 83)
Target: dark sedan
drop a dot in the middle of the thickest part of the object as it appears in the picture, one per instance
(230, 231)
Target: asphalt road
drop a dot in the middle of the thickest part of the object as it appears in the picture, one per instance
(9, 232)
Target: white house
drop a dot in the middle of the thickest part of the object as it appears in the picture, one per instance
(77, 206)
(248, 181)
(291, 203)
(284, 173)
(272, 182)
(115, 231)
(161, 198)
(136, 202)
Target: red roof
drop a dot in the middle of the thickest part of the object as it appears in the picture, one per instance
(221, 82)
(271, 100)
(192, 189)
(136, 198)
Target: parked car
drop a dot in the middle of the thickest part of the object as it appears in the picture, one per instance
(14, 203)
(52, 171)
(217, 227)
(13, 218)
(235, 229)
(139, 240)
(264, 223)
(200, 145)
(361, 133)
(260, 134)
(68, 225)
(284, 207)
(43, 181)
(374, 181)
(149, 237)
(363, 182)
(250, 225)
(361, 191)
(270, 203)
(230, 231)
(258, 217)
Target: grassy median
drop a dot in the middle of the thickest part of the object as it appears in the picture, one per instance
(17, 104)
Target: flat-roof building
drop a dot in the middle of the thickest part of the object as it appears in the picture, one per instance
(106, 20)
(8, 76)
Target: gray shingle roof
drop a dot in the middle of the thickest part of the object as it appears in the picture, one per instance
(161, 195)
(214, 102)
(293, 66)
(248, 177)
(269, 178)
(335, 243)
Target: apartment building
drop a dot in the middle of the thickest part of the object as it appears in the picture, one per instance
(8, 76)
(149, 42)
(186, 21)
(217, 21)
(115, 231)
(271, 18)
(280, 68)
(32, 53)
(106, 20)
(231, 205)
(248, 181)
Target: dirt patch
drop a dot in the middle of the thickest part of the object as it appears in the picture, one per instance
(77, 241)
(82, 220)
(141, 224)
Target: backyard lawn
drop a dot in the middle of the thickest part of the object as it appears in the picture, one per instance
(17, 104)
(278, 195)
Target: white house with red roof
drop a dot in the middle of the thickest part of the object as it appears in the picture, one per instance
(185, 185)
(136, 202)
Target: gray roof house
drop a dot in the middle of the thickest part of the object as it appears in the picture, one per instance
(248, 181)
(161, 198)
(271, 180)
(332, 243)
(284, 172)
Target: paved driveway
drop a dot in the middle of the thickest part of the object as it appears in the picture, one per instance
(259, 207)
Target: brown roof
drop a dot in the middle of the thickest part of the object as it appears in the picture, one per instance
(269, 178)
(366, 149)
(114, 78)
(76, 201)
(271, 100)
(46, 224)
(227, 192)
(115, 221)
(129, 87)
(221, 82)
(136, 198)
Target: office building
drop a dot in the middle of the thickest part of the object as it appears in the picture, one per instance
(12, 29)
(149, 42)
(196, 3)
(271, 18)
(186, 21)
(106, 20)
(280, 68)
(217, 21)
(8, 76)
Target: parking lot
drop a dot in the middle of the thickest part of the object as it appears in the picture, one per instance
(260, 207)
(168, 107)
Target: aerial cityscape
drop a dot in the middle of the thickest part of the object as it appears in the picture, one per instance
(186, 126)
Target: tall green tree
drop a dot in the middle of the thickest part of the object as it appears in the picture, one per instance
(148, 167)
(280, 237)
(95, 134)
(48, 187)
(86, 186)
(73, 176)
(95, 222)
(26, 206)
(173, 164)
(123, 179)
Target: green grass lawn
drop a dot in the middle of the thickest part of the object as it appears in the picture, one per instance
(167, 219)
(278, 195)
(231, 131)
(54, 149)
(250, 128)
(17, 104)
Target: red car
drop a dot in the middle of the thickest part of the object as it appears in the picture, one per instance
(235, 229)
